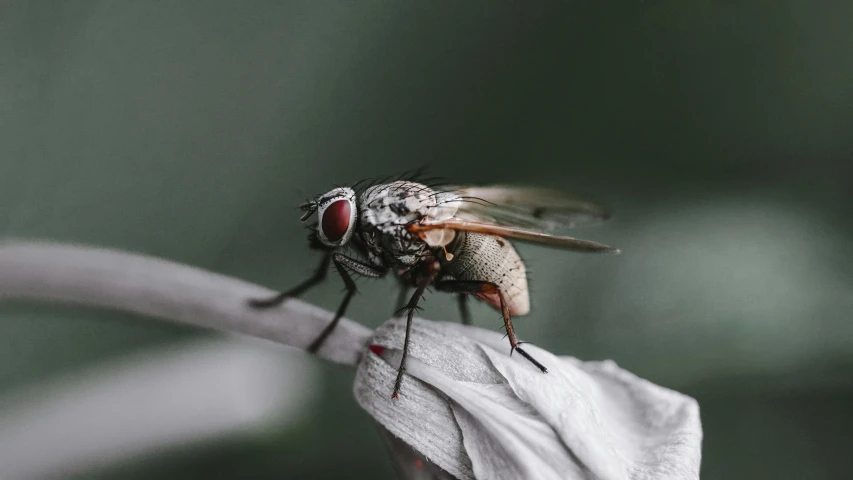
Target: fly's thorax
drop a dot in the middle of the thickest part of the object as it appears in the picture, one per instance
(387, 210)
(487, 258)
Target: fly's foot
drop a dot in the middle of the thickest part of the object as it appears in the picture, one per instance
(378, 350)
(261, 303)
(315, 345)
(398, 383)
(528, 357)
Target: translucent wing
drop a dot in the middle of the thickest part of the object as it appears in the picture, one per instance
(527, 207)
(526, 235)
(522, 213)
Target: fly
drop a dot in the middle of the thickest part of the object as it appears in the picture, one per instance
(455, 239)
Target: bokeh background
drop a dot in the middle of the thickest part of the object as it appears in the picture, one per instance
(720, 132)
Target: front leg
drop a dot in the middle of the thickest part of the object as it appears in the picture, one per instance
(474, 287)
(343, 265)
(318, 276)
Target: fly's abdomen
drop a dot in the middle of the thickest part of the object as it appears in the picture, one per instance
(487, 258)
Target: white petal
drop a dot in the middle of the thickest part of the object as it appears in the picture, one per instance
(476, 412)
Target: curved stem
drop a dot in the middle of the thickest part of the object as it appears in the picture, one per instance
(168, 290)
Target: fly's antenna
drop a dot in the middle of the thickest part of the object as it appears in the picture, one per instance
(309, 208)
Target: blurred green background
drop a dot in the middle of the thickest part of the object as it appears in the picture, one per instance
(720, 132)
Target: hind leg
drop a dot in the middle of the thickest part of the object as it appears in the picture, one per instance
(474, 287)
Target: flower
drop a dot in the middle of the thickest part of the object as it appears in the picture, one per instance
(476, 412)
(467, 409)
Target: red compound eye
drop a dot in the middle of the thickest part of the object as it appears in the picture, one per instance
(336, 219)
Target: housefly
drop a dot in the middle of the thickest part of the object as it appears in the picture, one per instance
(455, 239)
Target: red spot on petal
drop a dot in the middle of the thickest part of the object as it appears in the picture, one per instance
(377, 349)
(419, 464)
(336, 219)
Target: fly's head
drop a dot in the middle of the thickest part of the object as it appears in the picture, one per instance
(336, 212)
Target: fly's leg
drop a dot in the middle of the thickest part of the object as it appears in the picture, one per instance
(318, 276)
(473, 287)
(464, 311)
(342, 265)
(511, 334)
(432, 271)
(400, 306)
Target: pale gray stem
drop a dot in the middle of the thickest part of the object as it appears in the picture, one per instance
(168, 290)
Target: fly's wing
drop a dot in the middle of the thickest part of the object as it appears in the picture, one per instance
(569, 243)
(528, 207)
(522, 213)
